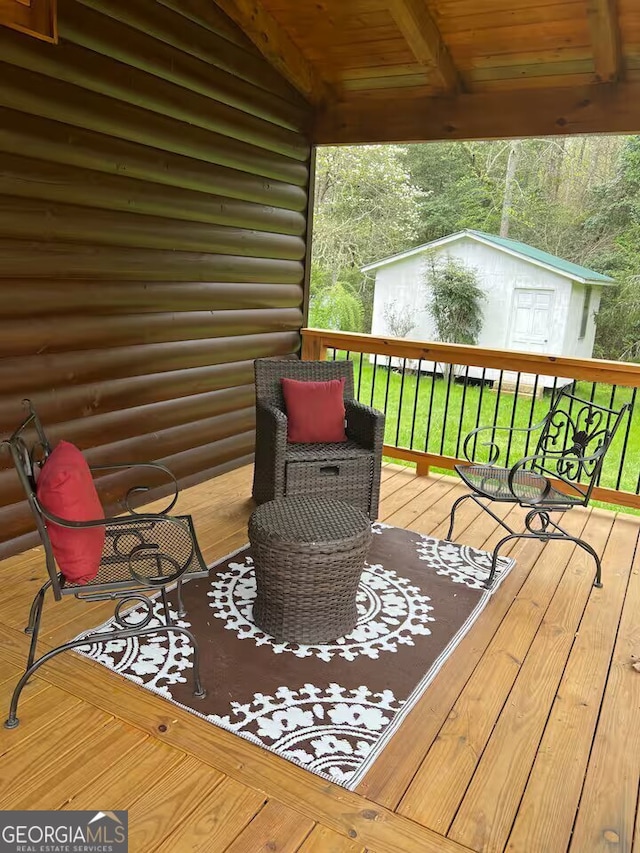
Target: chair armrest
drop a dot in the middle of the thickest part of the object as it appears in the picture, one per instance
(140, 525)
(139, 489)
(536, 465)
(493, 448)
(272, 422)
(365, 425)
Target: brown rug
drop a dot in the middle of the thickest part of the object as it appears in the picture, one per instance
(329, 708)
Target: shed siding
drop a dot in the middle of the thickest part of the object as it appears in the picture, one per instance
(498, 273)
(153, 191)
(574, 344)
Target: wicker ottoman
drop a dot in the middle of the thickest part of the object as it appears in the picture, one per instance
(308, 556)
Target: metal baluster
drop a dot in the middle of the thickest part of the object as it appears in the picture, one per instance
(415, 403)
(479, 411)
(404, 367)
(464, 396)
(513, 416)
(531, 412)
(359, 375)
(612, 398)
(497, 407)
(446, 410)
(375, 376)
(554, 391)
(626, 437)
(428, 426)
(386, 392)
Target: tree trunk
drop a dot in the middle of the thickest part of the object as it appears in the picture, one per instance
(509, 183)
(556, 164)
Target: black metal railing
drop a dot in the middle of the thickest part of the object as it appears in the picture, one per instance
(434, 395)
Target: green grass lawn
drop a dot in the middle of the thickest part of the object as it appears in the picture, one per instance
(447, 412)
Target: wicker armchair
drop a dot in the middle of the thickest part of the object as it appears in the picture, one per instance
(348, 471)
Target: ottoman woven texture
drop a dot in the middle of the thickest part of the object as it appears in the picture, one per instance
(308, 556)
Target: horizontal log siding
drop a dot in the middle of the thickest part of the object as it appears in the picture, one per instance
(153, 190)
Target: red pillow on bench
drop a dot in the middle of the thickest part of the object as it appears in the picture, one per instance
(65, 488)
(315, 410)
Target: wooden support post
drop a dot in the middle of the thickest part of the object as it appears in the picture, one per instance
(313, 348)
(422, 468)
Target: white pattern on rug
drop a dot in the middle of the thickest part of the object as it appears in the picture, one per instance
(459, 562)
(316, 728)
(164, 657)
(390, 612)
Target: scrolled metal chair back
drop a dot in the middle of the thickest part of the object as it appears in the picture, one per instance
(29, 448)
(575, 438)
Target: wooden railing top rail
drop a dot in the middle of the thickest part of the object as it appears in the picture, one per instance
(316, 341)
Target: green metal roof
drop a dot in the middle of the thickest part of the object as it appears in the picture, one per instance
(543, 257)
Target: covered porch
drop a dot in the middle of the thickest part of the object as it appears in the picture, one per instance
(527, 739)
(156, 196)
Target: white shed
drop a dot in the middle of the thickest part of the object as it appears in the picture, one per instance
(534, 301)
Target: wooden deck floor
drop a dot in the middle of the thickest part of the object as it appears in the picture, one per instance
(528, 740)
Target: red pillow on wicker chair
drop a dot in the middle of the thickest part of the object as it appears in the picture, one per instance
(65, 488)
(315, 410)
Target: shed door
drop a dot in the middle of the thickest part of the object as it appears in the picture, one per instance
(531, 320)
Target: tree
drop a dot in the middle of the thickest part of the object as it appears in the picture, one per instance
(509, 181)
(365, 206)
(399, 322)
(455, 302)
(365, 209)
(578, 198)
(456, 190)
(335, 307)
(618, 322)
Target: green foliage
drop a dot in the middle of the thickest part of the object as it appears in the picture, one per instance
(335, 306)
(456, 191)
(455, 301)
(619, 323)
(365, 208)
(578, 198)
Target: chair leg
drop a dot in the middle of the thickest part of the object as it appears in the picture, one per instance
(564, 535)
(165, 605)
(452, 516)
(35, 615)
(546, 537)
(181, 608)
(36, 607)
(586, 547)
(199, 692)
(494, 559)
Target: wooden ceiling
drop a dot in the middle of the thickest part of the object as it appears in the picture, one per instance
(408, 70)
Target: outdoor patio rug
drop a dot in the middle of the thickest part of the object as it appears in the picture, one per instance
(329, 708)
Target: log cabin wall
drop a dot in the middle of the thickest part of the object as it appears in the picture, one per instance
(153, 191)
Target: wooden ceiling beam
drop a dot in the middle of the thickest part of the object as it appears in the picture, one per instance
(277, 47)
(423, 37)
(605, 38)
(482, 115)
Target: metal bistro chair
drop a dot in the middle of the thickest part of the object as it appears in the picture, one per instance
(143, 553)
(574, 438)
(347, 471)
